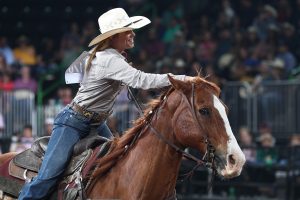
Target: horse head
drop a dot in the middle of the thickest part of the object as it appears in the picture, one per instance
(200, 119)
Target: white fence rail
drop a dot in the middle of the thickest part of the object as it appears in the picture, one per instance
(18, 109)
(275, 103)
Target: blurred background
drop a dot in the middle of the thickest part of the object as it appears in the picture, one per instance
(250, 48)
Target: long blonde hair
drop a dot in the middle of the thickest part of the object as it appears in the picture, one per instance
(100, 47)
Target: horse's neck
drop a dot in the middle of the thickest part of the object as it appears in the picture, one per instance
(161, 164)
(159, 160)
(149, 170)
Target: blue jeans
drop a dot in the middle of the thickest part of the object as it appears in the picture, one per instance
(69, 127)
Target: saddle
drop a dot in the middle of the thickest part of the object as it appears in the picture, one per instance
(25, 165)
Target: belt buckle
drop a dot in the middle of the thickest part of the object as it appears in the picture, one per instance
(88, 114)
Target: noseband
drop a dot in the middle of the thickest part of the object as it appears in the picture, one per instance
(209, 156)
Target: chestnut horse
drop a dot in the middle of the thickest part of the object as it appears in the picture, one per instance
(144, 162)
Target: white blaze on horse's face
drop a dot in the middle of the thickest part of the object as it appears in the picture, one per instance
(235, 158)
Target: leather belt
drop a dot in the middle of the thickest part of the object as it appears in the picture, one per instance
(92, 116)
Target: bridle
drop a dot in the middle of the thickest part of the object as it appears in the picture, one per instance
(209, 156)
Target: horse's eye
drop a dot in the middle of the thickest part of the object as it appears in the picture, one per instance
(204, 111)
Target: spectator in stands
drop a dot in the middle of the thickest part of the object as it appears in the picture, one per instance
(154, 47)
(3, 65)
(247, 144)
(228, 11)
(70, 47)
(294, 143)
(25, 81)
(277, 70)
(267, 153)
(251, 38)
(263, 75)
(105, 74)
(25, 88)
(267, 97)
(266, 18)
(178, 46)
(89, 31)
(25, 52)
(294, 161)
(25, 140)
(49, 126)
(288, 58)
(66, 96)
(170, 34)
(264, 128)
(295, 140)
(272, 39)
(290, 38)
(206, 48)
(46, 60)
(6, 83)
(224, 43)
(6, 50)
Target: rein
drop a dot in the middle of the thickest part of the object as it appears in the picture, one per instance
(209, 156)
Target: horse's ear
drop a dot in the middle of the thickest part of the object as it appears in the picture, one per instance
(178, 84)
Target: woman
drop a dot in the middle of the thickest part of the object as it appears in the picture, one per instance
(105, 73)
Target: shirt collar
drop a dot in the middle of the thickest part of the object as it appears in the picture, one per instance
(114, 51)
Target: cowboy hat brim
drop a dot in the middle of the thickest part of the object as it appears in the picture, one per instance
(136, 23)
(106, 35)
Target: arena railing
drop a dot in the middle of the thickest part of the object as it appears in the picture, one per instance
(17, 109)
(271, 104)
(260, 179)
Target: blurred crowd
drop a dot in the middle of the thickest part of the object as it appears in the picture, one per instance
(270, 164)
(234, 41)
(251, 41)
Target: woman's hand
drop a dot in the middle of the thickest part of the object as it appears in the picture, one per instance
(189, 78)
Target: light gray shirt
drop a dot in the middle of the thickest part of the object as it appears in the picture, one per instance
(108, 74)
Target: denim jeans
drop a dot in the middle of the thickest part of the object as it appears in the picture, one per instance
(69, 127)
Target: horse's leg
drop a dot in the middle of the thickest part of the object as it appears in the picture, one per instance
(7, 156)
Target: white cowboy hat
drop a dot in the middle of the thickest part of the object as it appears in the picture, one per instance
(117, 21)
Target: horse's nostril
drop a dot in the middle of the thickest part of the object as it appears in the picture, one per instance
(231, 159)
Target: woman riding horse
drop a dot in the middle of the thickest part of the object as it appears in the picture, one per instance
(144, 162)
(103, 72)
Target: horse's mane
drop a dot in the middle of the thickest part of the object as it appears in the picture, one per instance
(120, 144)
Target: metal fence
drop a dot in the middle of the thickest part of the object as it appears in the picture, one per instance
(121, 118)
(17, 109)
(275, 104)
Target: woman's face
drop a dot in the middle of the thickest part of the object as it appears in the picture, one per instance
(123, 41)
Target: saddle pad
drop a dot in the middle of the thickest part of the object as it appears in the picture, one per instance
(10, 186)
(28, 160)
(19, 172)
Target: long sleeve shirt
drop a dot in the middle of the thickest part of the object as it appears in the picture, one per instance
(108, 74)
